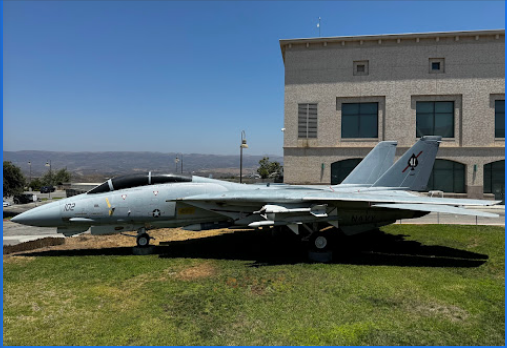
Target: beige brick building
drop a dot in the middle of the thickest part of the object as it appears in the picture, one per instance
(345, 94)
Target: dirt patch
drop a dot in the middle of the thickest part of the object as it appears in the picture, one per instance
(89, 241)
(34, 244)
(452, 313)
(204, 270)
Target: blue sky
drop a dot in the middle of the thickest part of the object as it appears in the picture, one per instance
(174, 76)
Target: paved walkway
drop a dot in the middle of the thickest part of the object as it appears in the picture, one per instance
(14, 233)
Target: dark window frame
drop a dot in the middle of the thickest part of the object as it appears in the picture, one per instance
(361, 120)
(441, 65)
(366, 67)
(434, 114)
(499, 118)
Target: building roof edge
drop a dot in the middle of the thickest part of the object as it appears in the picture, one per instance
(284, 42)
(396, 36)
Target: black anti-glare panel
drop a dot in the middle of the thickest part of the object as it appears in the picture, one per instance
(168, 178)
(128, 181)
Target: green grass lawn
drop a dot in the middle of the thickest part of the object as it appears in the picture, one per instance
(403, 285)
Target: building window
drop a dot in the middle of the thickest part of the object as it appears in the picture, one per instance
(499, 118)
(341, 169)
(307, 121)
(494, 179)
(437, 65)
(360, 120)
(447, 176)
(361, 68)
(435, 118)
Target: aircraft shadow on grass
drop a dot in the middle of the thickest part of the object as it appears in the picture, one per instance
(260, 247)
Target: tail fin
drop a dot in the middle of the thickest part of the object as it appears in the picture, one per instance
(376, 163)
(412, 171)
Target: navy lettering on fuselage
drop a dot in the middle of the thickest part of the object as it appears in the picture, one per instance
(363, 218)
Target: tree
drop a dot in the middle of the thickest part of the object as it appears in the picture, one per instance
(269, 169)
(62, 176)
(36, 184)
(14, 181)
(57, 178)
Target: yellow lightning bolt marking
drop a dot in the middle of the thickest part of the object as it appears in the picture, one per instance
(109, 206)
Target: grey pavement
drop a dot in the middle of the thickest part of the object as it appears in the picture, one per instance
(42, 197)
(14, 233)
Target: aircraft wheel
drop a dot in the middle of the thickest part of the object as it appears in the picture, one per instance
(321, 247)
(143, 240)
(321, 241)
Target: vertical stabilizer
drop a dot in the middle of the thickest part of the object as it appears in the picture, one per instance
(376, 163)
(412, 171)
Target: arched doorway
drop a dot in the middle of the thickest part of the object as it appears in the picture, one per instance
(447, 176)
(341, 169)
(494, 179)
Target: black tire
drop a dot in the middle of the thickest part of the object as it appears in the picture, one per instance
(321, 247)
(322, 241)
(143, 240)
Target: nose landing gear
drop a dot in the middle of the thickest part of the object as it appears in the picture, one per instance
(143, 238)
(143, 243)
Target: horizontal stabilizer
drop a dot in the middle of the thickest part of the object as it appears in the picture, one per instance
(404, 200)
(445, 209)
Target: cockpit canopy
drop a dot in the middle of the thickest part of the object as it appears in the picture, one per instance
(136, 180)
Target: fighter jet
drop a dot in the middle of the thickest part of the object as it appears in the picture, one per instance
(376, 193)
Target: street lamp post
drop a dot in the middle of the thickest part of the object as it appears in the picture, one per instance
(48, 164)
(176, 160)
(241, 147)
(30, 165)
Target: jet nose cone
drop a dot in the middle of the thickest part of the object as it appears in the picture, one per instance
(45, 216)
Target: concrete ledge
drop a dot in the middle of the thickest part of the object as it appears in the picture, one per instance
(143, 250)
(320, 256)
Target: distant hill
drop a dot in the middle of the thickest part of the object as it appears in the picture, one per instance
(99, 165)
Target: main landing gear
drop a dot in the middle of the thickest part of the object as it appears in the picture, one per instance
(320, 245)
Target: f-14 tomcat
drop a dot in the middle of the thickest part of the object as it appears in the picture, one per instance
(376, 193)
